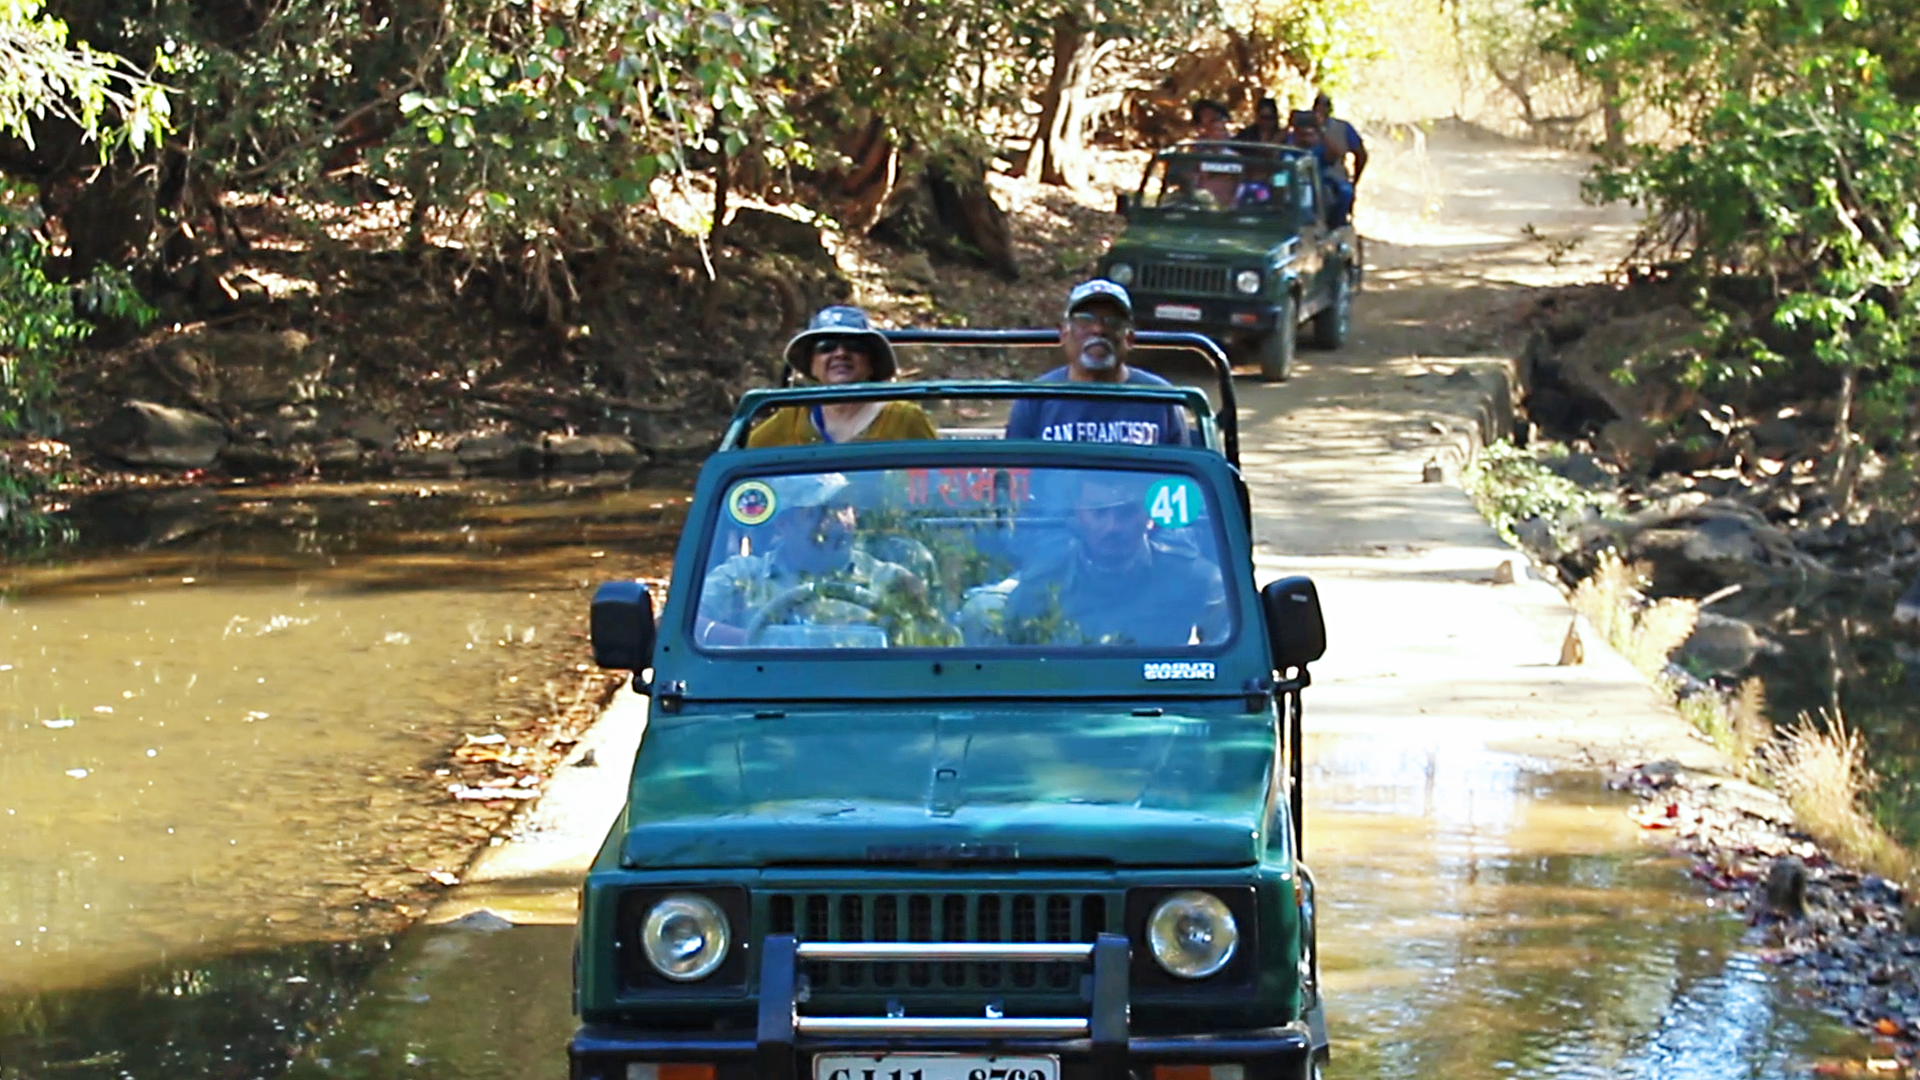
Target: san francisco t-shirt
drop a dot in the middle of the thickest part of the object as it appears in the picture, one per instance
(1057, 420)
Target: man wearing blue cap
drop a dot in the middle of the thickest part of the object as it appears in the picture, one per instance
(1096, 336)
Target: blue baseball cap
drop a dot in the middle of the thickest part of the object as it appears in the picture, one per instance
(842, 321)
(1088, 292)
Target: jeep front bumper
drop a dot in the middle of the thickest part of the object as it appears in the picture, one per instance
(1097, 1046)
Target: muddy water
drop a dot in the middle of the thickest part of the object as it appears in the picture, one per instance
(218, 753)
(1482, 920)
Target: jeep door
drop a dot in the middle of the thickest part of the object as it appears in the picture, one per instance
(1318, 241)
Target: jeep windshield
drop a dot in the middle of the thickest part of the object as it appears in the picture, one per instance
(1226, 183)
(966, 560)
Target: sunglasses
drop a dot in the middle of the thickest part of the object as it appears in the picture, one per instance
(1112, 324)
(825, 345)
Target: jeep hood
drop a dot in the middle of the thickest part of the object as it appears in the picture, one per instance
(1239, 244)
(1000, 787)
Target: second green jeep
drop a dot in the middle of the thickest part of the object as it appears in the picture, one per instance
(1235, 240)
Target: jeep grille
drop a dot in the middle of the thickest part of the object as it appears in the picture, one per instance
(1190, 280)
(846, 916)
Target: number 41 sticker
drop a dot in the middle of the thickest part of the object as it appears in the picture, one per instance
(1173, 503)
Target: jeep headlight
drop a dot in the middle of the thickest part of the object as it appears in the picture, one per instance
(1247, 281)
(1120, 273)
(1192, 934)
(685, 937)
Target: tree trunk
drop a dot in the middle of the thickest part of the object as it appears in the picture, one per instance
(1613, 117)
(1037, 160)
(1068, 144)
(710, 303)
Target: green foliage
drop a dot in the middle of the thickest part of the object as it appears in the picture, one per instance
(525, 137)
(106, 97)
(1802, 168)
(1510, 484)
(1327, 41)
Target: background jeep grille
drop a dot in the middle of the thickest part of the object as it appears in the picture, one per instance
(918, 916)
(1191, 280)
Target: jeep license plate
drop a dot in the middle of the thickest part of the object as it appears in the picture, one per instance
(933, 1067)
(1177, 312)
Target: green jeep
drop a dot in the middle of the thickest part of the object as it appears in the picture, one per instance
(969, 759)
(1234, 240)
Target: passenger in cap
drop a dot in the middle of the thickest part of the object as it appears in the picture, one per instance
(841, 346)
(810, 570)
(1096, 336)
(1118, 580)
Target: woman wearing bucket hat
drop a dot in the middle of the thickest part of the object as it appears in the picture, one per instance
(841, 346)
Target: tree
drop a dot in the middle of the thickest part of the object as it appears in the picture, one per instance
(107, 102)
(1801, 173)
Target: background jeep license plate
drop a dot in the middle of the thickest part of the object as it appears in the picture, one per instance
(1181, 312)
(933, 1067)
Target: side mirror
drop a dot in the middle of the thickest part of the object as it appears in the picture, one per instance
(1295, 629)
(1125, 202)
(622, 626)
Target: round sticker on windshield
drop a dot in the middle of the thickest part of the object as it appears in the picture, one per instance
(1174, 502)
(750, 502)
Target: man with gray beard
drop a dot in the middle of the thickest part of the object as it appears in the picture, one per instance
(1096, 335)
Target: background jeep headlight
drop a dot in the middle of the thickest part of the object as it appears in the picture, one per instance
(1192, 934)
(1120, 273)
(1247, 281)
(685, 937)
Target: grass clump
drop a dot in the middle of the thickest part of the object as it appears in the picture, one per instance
(1509, 484)
(1645, 633)
(1821, 769)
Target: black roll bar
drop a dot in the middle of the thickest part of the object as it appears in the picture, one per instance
(1226, 417)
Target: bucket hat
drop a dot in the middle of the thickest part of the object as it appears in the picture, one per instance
(841, 321)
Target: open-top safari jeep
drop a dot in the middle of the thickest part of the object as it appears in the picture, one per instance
(1237, 241)
(969, 759)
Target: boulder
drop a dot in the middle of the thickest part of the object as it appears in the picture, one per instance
(337, 457)
(1661, 337)
(1535, 534)
(1782, 438)
(663, 434)
(951, 215)
(768, 230)
(1630, 443)
(143, 433)
(373, 432)
(259, 459)
(1906, 612)
(244, 369)
(497, 455)
(1702, 555)
(1584, 470)
(1724, 646)
(426, 463)
(590, 453)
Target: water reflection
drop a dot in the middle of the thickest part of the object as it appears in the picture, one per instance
(232, 1016)
(217, 754)
(458, 1005)
(1481, 920)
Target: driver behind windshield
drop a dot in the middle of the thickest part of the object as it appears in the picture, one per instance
(810, 570)
(1118, 580)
